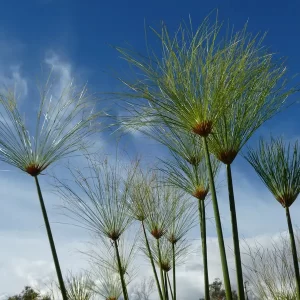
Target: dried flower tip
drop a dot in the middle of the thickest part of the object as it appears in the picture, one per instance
(114, 235)
(286, 200)
(200, 193)
(203, 128)
(157, 233)
(165, 266)
(227, 156)
(172, 239)
(34, 169)
(111, 298)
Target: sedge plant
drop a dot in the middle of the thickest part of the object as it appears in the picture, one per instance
(181, 210)
(161, 211)
(187, 171)
(60, 128)
(270, 269)
(183, 219)
(97, 199)
(79, 286)
(189, 86)
(164, 257)
(106, 284)
(139, 206)
(265, 96)
(101, 254)
(278, 165)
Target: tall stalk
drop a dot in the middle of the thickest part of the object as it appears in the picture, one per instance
(278, 165)
(121, 272)
(51, 241)
(166, 286)
(294, 251)
(226, 278)
(201, 207)
(174, 271)
(235, 234)
(161, 270)
(170, 287)
(152, 262)
(57, 130)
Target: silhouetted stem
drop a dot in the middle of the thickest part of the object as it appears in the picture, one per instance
(226, 278)
(166, 285)
(174, 271)
(170, 287)
(201, 207)
(121, 271)
(294, 251)
(235, 235)
(161, 270)
(51, 241)
(152, 262)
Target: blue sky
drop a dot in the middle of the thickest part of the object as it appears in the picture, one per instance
(76, 38)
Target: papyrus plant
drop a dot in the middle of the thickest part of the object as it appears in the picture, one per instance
(102, 255)
(182, 220)
(156, 206)
(139, 206)
(190, 85)
(97, 198)
(278, 165)
(161, 206)
(264, 97)
(187, 171)
(107, 284)
(57, 129)
(269, 269)
(79, 286)
(165, 257)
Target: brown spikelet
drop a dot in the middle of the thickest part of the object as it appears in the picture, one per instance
(172, 239)
(203, 128)
(114, 235)
(286, 200)
(200, 193)
(165, 266)
(111, 298)
(281, 201)
(157, 233)
(33, 169)
(227, 156)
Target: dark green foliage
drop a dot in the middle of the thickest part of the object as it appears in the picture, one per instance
(29, 294)
(216, 291)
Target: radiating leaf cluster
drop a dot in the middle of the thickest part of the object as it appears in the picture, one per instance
(278, 165)
(79, 287)
(97, 197)
(62, 125)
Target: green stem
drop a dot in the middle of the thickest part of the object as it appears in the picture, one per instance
(161, 270)
(226, 278)
(170, 287)
(152, 262)
(235, 235)
(51, 241)
(166, 285)
(294, 251)
(201, 207)
(121, 272)
(174, 271)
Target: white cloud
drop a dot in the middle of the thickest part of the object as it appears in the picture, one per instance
(25, 253)
(62, 71)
